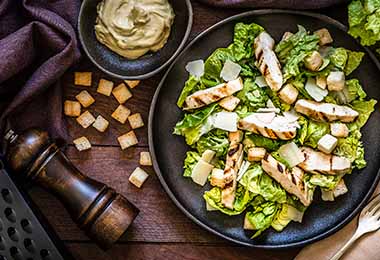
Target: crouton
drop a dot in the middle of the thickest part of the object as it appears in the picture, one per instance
(340, 189)
(121, 114)
(235, 137)
(313, 61)
(127, 140)
(324, 36)
(83, 78)
(321, 82)
(255, 154)
(288, 94)
(336, 81)
(136, 121)
(217, 178)
(85, 98)
(86, 119)
(132, 83)
(105, 87)
(339, 130)
(327, 143)
(138, 177)
(145, 159)
(229, 103)
(82, 143)
(72, 108)
(100, 124)
(121, 93)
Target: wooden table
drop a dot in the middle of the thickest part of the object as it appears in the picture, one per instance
(161, 231)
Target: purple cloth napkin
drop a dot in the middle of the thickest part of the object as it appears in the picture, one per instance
(288, 4)
(37, 45)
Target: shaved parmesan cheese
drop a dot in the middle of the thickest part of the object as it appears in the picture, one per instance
(261, 82)
(209, 207)
(230, 71)
(314, 91)
(226, 121)
(265, 117)
(291, 154)
(208, 155)
(291, 115)
(201, 171)
(244, 167)
(270, 104)
(196, 68)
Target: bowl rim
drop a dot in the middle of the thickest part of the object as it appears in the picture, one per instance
(190, 215)
(141, 76)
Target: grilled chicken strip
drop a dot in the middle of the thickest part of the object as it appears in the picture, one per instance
(207, 96)
(278, 128)
(291, 181)
(318, 162)
(325, 111)
(233, 163)
(267, 62)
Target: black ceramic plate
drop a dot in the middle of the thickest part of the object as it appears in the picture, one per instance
(168, 151)
(145, 66)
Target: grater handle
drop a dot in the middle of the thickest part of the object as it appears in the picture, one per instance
(97, 209)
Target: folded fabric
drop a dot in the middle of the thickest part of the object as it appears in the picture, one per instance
(38, 44)
(288, 4)
(367, 247)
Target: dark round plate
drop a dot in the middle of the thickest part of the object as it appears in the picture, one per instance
(145, 66)
(168, 151)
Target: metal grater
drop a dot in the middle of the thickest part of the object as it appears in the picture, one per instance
(22, 234)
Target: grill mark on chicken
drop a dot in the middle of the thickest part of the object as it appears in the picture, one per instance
(233, 150)
(279, 167)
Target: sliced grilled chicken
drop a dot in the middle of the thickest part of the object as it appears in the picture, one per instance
(278, 128)
(318, 162)
(325, 111)
(291, 181)
(267, 62)
(207, 96)
(234, 160)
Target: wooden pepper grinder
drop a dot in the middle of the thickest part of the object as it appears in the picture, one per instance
(98, 210)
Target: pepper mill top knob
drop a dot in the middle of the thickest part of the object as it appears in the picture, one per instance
(24, 149)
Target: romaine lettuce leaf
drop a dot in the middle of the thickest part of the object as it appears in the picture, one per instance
(339, 58)
(311, 131)
(353, 61)
(352, 148)
(267, 143)
(215, 140)
(352, 91)
(196, 124)
(252, 97)
(259, 183)
(365, 109)
(242, 199)
(191, 159)
(262, 215)
(324, 181)
(192, 85)
(244, 36)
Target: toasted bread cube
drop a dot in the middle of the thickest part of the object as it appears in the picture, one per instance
(247, 224)
(82, 143)
(72, 108)
(121, 114)
(288, 94)
(127, 140)
(105, 87)
(336, 81)
(339, 130)
(327, 143)
(100, 124)
(229, 103)
(217, 178)
(136, 121)
(324, 36)
(145, 159)
(255, 154)
(235, 137)
(86, 119)
(121, 93)
(138, 177)
(313, 61)
(85, 98)
(321, 82)
(286, 36)
(132, 83)
(83, 78)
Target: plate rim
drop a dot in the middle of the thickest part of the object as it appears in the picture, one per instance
(147, 74)
(166, 187)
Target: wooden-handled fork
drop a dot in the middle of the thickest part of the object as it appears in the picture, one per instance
(369, 221)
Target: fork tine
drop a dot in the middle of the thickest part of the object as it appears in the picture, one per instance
(373, 202)
(375, 209)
